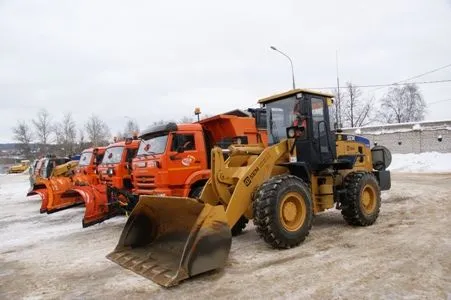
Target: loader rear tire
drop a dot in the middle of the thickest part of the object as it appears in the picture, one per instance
(239, 226)
(362, 201)
(283, 211)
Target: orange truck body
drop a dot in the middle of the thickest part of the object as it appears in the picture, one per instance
(174, 171)
(114, 172)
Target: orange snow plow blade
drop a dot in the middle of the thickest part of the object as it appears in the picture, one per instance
(45, 199)
(60, 195)
(41, 190)
(169, 239)
(96, 203)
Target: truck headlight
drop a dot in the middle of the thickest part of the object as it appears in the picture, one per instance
(110, 172)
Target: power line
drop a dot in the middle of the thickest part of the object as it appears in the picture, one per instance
(418, 76)
(421, 75)
(384, 85)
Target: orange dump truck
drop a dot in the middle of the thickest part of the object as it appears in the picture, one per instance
(174, 159)
(114, 173)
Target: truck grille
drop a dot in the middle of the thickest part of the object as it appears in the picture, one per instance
(145, 182)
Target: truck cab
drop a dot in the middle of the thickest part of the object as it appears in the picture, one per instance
(174, 159)
(86, 171)
(115, 168)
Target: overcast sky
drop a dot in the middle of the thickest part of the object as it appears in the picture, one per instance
(153, 60)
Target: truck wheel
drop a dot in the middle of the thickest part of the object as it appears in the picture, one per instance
(239, 226)
(362, 201)
(196, 191)
(283, 211)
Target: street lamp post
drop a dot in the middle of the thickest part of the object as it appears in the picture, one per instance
(291, 62)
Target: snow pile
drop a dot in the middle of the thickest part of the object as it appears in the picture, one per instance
(423, 162)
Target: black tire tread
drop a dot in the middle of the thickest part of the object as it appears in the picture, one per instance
(351, 210)
(265, 214)
(239, 226)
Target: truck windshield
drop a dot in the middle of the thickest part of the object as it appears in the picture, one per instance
(113, 155)
(153, 145)
(85, 159)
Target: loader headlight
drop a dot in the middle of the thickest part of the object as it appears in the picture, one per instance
(295, 131)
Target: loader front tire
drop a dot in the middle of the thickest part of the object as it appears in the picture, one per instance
(362, 201)
(283, 211)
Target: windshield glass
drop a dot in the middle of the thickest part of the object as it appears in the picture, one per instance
(113, 155)
(85, 159)
(153, 145)
(280, 115)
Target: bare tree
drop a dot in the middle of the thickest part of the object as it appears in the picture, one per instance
(23, 134)
(336, 110)
(97, 131)
(43, 126)
(186, 119)
(403, 104)
(161, 122)
(355, 110)
(81, 145)
(131, 127)
(66, 133)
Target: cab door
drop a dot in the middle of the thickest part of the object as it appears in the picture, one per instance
(184, 159)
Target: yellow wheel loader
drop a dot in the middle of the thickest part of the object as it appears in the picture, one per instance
(308, 168)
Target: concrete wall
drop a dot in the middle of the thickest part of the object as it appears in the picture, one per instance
(409, 137)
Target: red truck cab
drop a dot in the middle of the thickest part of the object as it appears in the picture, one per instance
(174, 159)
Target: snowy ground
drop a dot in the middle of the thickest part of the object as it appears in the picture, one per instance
(406, 254)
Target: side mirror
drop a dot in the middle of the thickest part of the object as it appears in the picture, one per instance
(180, 149)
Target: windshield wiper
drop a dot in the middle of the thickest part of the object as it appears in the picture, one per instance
(146, 153)
(272, 127)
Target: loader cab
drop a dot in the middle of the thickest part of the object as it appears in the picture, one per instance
(50, 163)
(303, 115)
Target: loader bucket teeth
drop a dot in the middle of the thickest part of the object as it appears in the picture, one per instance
(169, 239)
(96, 204)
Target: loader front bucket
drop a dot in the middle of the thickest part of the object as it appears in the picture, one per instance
(96, 203)
(169, 239)
(60, 195)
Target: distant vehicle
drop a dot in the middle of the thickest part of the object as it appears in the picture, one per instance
(19, 168)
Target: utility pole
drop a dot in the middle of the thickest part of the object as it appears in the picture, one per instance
(291, 62)
(338, 106)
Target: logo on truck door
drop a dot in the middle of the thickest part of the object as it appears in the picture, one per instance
(187, 161)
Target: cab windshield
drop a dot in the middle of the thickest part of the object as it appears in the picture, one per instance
(113, 155)
(85, 159)
(153, 145)
(280, 115)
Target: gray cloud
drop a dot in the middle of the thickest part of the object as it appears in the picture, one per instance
(154, 60)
